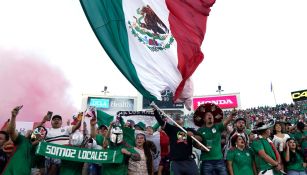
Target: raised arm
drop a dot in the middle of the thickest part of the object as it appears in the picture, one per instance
(287, 157)
(42, 123)
(12, 125)
(230, 117)
(93, 127)
(159, 118)
(105, 143)
(78, 124)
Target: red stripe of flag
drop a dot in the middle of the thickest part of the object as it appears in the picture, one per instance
(188, 20)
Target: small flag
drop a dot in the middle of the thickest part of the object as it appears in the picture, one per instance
(104, 118)
(271, 87)
(90, 112)
(5, 125)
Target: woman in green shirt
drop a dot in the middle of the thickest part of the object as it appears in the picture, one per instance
(239, 158)
(294, 160)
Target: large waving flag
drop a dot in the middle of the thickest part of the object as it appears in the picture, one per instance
(154, 43)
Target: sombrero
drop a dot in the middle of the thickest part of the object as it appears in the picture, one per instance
(263, 126)
(204, 108)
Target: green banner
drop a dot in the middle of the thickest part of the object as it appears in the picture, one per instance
(79, 154)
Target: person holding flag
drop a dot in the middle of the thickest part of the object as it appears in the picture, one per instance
(181, 145)
(103, 120)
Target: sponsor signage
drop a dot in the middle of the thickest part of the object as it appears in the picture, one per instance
(224, 102)
(299, 95)
(99, 102)
(112, 105)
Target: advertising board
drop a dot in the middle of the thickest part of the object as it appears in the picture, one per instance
(223, 101)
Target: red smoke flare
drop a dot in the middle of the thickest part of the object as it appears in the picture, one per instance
(32, 82)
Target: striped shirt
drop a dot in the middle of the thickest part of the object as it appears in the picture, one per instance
(59, 135)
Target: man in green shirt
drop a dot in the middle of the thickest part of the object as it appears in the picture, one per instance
(23, 159)
(267, 157)
(212, 161)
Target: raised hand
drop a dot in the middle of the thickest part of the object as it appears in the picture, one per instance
(16, 110)
(234, 112)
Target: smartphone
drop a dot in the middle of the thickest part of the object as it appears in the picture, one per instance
(19, 107)
(49, 115)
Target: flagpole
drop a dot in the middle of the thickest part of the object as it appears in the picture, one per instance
(273, 93)
(163, 113)
(274, 98)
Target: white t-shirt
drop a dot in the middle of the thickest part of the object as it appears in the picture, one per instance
(280, 143)
(59, 135)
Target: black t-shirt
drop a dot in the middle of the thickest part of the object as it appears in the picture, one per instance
(180, 144)
(3, 160)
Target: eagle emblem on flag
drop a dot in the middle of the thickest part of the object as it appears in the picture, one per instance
(148, 28)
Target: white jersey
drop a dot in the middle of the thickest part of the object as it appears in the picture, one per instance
(59, 135)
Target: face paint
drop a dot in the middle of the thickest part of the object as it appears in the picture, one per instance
(39, 133)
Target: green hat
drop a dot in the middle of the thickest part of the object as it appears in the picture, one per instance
(248, 131)
(141, 125)
(104, 119)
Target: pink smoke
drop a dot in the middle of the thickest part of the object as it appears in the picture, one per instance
(30, 81)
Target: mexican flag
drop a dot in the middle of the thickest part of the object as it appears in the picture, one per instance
(154, 43)
(104, 118)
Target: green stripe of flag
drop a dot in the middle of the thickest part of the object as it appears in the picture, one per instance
(107, 20)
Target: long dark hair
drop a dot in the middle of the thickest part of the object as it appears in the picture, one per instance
(282, 128)
(292, 155)
(148, 146)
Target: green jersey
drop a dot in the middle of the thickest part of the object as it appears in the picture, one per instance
(262, 144)
(242, 161)
(297, 165)
(212, 139)
(23, 159)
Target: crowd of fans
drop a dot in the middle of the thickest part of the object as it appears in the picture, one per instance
(262, 140)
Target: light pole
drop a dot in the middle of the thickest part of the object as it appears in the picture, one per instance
(105, 90)
(219, 89)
